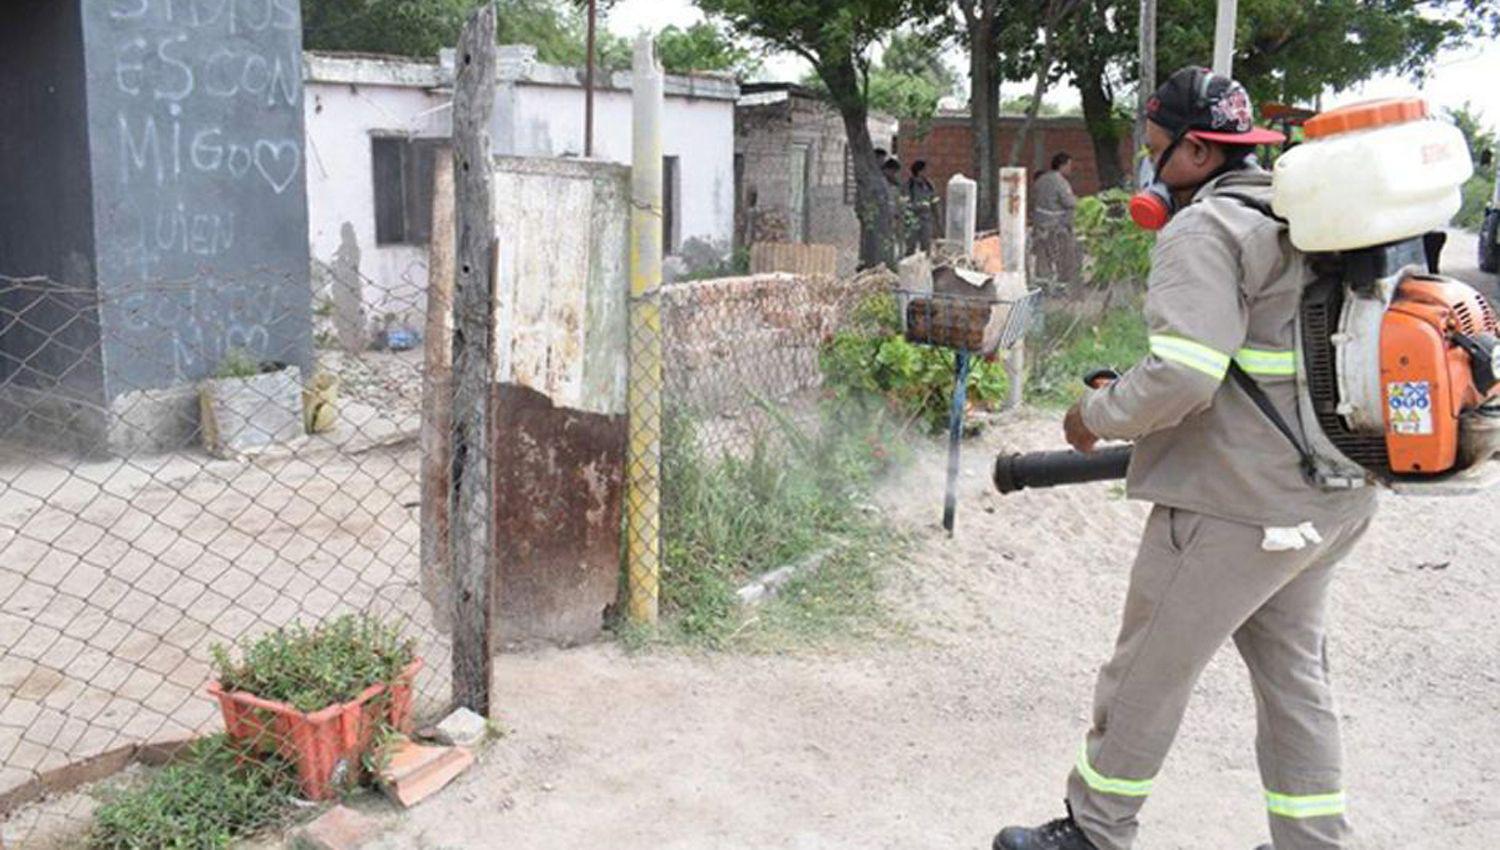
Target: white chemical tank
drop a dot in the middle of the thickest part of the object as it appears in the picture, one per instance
(1371, 173)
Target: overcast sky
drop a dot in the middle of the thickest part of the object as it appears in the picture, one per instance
(1472, 75)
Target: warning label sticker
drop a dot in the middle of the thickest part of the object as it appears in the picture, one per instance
(1410, 407)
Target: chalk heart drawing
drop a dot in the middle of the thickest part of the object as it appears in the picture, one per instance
(278, 162)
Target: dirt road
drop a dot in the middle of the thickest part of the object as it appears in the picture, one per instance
(935, 740)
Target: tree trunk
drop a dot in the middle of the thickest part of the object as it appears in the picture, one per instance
(984, 113)
(1104, 129)
(875, 204)
(1043, 69)
(1057, 13)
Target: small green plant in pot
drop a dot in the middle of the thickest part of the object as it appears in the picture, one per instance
(249, 405)
(318, 697)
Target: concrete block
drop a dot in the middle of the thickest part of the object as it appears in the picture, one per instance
(339, 828)
(462, 728)
(963, 211)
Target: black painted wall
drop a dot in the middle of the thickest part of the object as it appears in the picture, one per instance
(200, 205)
(49, 334)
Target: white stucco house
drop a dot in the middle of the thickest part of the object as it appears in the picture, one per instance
(372, 123)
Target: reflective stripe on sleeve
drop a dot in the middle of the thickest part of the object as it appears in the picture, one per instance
(1109, 785)
(1273, 363)
(1194, 355)
(1309, 806)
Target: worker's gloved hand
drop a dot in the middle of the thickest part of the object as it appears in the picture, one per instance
(1076, 433)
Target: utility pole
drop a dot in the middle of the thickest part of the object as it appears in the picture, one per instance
(1148, 73)
(1224, 37)
(588, 83)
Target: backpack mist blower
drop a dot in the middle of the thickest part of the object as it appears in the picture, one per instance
(1398, 367)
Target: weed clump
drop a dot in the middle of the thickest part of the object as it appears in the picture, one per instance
(216, 794)
(311, 669)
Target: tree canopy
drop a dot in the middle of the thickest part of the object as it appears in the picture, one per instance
(1285, 50)
(703, 47)
(910, 79)
(556, 28)
(404, 27)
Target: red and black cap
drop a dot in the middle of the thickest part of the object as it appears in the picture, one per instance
(1199, 103)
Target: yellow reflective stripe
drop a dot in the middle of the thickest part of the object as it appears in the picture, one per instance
(1109, 785)
(1311, 806)
(1259, 362)
(1191, 354)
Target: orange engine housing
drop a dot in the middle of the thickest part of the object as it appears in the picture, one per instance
(1426, 380)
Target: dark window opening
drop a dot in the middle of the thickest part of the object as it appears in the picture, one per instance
(402, 169)
(669, 193)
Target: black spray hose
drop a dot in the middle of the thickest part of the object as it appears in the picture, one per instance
(1015, 472)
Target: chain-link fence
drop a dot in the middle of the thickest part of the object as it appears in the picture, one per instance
(183, 465)
(255, 466)
(783, 397)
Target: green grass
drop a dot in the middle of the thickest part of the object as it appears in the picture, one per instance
(1067, 350)
(835, 604)
(315, 668)
(204, 802)
(735, 512)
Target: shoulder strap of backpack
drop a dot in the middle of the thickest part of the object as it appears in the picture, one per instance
(1267, 409)
(1256, 204)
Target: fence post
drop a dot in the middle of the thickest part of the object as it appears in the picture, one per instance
(437, 397)
(643, 463)
(473, 515)
(1013, 255)
(963, 210)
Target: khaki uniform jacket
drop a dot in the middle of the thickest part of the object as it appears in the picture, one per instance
(1225, 284)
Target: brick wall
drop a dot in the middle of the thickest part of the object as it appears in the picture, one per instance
(730, 343)
(948, 148)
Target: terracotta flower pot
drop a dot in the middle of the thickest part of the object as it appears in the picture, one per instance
(325, 745)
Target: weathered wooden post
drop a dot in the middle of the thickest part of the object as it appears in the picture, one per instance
(1012, 220)
(473, 515)
(643, 461)
(437, 398)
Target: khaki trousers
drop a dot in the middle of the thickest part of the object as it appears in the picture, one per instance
(1197, 582)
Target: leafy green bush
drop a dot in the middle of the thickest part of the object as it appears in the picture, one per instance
(874, 359)
(1119, 251)
(204, 802)
(313, 669)
(1478, 192)
(1068, 350)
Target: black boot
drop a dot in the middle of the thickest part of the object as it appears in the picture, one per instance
(1061, 834)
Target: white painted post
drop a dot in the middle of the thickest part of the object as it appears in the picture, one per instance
(1012, 220)
(1224, 37)
(963, 210)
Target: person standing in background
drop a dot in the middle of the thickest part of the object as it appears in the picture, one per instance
(922, 205)
(1056, 246)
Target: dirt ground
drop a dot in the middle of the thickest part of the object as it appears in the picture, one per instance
(935, 739)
